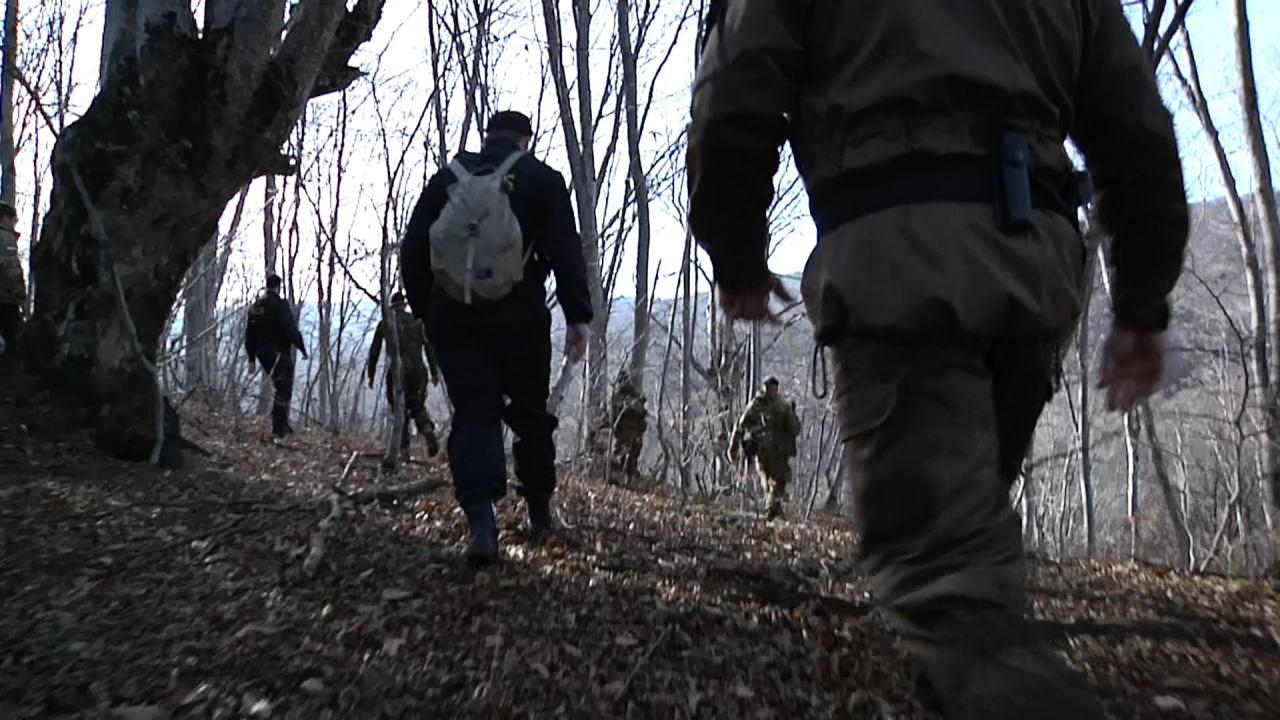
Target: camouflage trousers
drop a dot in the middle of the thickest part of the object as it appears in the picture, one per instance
(775, 475)
(626, 452)
(415, 402)
(935, 436)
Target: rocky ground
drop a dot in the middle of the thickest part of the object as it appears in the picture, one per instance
(206, 592)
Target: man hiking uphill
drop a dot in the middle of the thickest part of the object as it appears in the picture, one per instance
(947, 275)
(269, 337)
(483, 237)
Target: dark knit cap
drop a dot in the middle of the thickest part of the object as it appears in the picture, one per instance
(512, 122)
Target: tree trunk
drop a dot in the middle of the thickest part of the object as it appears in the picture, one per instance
(581, 151)
(9, 58)
(1086, 464)
(1265, 199)
(270, 253)
(179, 125)
(686, 366)
(1132, 459)
(200, 361)
(640, 324)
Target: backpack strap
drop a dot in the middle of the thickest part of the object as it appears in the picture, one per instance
(458, 169)
(509, 163)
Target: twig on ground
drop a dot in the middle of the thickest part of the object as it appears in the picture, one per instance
(321, 534)
(621, 702)
(399, 492)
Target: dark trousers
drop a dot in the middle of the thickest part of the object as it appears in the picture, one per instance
(935, 434)
(280, 366)
(487, 354)
(415, 399)
(10, 324)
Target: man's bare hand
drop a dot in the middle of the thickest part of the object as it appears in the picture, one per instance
(1132, 367)
(575, 342)
(754, 305)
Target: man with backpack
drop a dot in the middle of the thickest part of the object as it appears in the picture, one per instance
(413, 345)
(483, 237)
(269, 338)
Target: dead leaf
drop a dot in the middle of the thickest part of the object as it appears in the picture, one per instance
(626, 640)
(391, 595)
(313, 686)
(391, 646)
(138, 712)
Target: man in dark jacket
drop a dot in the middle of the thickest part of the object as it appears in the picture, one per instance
(268, 339)
(489, 350)
(948, 272)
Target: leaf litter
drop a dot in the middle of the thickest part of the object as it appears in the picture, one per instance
(130, 592)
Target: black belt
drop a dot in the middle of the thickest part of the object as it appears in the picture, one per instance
(920, 179)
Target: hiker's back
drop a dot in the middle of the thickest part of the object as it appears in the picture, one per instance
(892, 78)
(478, 249)
(409, 334)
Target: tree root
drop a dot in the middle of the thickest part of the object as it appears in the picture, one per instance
(339, 499)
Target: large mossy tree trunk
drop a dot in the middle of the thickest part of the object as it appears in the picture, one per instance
(182, 121)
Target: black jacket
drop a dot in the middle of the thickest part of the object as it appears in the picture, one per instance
(540, 202)
(274, 328)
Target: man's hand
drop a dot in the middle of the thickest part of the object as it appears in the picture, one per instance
(370, 382)
(754, 304)
(575, 342)
(305, 356)
(253, 367)
(435, 378)
(1132, 367)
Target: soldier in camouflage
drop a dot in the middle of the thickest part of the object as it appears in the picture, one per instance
(13, 288)
(629, 424)
(948, 270)
(767, 431)
(413, 346)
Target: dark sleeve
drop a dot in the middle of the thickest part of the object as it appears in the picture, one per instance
(251, 336)
(415, 249)
(432, 363)
(558, 242)
(289, 326)
(375, 350)
(748, 82)
(1126, 135)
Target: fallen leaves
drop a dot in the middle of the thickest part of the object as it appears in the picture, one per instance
(642, 608)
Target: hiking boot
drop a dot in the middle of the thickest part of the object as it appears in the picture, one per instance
(774, 510)
(1024, 681)
(540, 518)
(482, 551)
(433, 445)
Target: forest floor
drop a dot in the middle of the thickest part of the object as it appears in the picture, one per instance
(136, 593)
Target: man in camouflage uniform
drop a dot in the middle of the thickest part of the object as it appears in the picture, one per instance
(629, 424)
(13, 288)
(948, 271)
(767, 431)
(413, 345)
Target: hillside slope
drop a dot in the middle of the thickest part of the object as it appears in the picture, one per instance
(183, 594)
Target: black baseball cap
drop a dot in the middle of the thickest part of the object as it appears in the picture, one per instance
(512, 122)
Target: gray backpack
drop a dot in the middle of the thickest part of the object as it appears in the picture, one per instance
(477, 249)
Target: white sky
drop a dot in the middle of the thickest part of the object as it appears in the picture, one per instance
(402, 79)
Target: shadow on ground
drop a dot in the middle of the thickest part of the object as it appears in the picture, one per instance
(153, 594)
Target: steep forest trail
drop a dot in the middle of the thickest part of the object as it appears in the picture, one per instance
(130, 592)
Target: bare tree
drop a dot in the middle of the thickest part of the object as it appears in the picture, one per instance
(1265, 200)
(8, 64)
(153, 194)
(579, 135)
